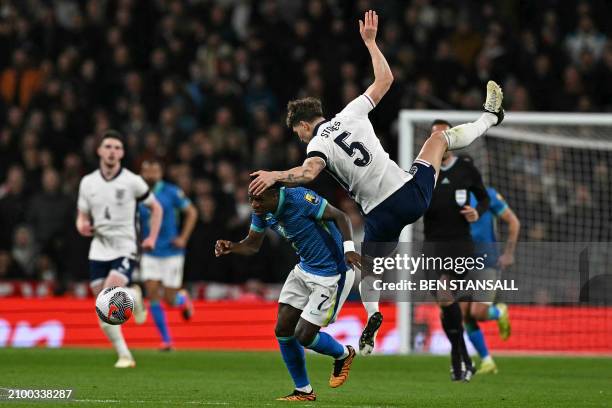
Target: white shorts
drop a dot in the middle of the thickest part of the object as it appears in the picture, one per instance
(168, 270)
(486, 296)
(320, 298)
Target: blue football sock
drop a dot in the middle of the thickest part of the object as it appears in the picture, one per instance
(325, 344)
(295, 360)
(477, 338)
(159, 317)
(179, 299)
(493, 312)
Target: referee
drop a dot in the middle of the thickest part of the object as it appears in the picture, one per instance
(447, 234)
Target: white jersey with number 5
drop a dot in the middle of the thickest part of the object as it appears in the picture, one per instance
(112, 207)
(354, 156)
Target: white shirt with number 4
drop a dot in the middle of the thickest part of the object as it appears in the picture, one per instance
(354, 156)
(112, 206)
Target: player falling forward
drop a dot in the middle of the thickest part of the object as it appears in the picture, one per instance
(484, 236)
(316, 288)
(347, 147)
(163, 266)
(107, 204)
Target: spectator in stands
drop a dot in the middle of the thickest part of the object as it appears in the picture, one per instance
(50, 214)
(12, 205)
(9, 269)
(203, 85)
(25, 251)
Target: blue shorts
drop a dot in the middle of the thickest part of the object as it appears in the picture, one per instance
(405, 206)
(99, 270)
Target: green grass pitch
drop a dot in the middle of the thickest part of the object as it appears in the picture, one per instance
(193, 378)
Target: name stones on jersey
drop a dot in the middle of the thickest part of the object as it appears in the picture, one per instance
(330, 128)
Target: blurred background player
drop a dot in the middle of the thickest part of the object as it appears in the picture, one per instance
(107, 204)
(447, 233)
(162, 268)
(316, 288)
(484, 236)
(348, 149)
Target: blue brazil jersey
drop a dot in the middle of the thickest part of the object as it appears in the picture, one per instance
(298, 219)
(483, 230)
(173, 202)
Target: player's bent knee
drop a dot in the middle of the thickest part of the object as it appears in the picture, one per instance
(116, 278)
(438, 135)
(305, 334)
(152, 288)
(283, 330)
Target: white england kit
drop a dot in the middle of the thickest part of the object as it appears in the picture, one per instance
(112, 207)
(354, 156)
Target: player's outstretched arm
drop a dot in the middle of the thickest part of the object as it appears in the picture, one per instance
(303, 174)
(514, 227)
(383, 77)
(156, 217)
(248, 246)
(343, 222)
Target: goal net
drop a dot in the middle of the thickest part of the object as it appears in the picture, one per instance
(555, 172)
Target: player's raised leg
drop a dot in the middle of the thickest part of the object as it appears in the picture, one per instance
(476, 336)
(493, 311)
(463, 135)
(172, 282)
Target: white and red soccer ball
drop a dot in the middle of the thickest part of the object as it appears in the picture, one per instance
(114, 305)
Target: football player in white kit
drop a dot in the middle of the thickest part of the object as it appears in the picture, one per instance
(347, 147)
(107, 212)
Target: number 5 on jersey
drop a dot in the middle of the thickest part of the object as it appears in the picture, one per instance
(365, 158)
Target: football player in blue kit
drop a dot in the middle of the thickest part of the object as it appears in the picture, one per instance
(316, 288)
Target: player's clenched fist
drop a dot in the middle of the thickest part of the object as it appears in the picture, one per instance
(148, 244)
(223, 247)
(85, 228)
(353, 259)
(369, 26)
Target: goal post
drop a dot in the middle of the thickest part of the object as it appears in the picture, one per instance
(547, 165)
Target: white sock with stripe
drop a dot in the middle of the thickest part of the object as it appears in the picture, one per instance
(463, 135)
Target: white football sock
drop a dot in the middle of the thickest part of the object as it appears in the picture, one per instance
(368, 292)
(114, 335)
(306, 388)
(463, 135)
(487, 359)
(135, 294)
(345, 354)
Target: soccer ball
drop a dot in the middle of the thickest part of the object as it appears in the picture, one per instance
(114, 305)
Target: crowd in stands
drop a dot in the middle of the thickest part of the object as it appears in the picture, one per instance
(204, 84)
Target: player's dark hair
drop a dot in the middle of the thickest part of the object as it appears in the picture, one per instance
(305, 109)
(441, 122)
(111, 134)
